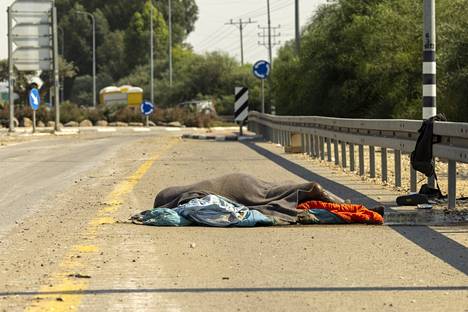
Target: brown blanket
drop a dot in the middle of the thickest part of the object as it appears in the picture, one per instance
(276, 200)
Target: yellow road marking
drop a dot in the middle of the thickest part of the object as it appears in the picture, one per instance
(86, 248)
(66, 291)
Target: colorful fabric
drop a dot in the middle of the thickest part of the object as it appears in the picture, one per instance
(162, 217)
(350, 213)
(211, 210)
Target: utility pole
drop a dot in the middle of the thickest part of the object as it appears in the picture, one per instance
(170, 42)
(269, 34)
(151, 54)
(429, 61)
(268, 40)
(241, 24)
(298, 32)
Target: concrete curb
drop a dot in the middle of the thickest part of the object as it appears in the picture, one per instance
(210, 137)
(220, 138)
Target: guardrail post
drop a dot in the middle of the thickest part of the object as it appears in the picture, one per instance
(322, 148)
(329, 158)
(372, 161)
(351, 157)
(452, 183)
(413, 180)
(361, 160)
(397, 154)
(303, 143)
(383, 154)
(309, 144)
(317, 146)
(313, 153)
(343, 155)
(335, 148)
(306, 144)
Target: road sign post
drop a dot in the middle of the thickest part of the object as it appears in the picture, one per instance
(34, 100)
(147, 108)
(241, 106)
(261, 70)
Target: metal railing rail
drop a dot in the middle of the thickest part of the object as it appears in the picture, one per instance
(315, 136)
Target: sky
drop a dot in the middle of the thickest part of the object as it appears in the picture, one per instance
(211, 33)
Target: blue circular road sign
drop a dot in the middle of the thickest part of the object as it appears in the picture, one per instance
(261, 69)
(147, 108)
(34, 98)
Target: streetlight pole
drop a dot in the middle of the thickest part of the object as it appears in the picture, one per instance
(94, 53)
(62, 37)
(298, 32)
(170, 42)
(272, 106)
(269, 34)
(151, 53)
(10, 73)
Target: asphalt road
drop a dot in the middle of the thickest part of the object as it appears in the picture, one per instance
(73, 248)
(34, 172)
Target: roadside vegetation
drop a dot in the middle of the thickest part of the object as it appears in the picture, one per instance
(363, 59)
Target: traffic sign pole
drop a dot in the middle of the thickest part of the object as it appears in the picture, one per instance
(34, 101)
(34, 121)
(261, 70)
(147, 108)
(263, 96)
(10, 73)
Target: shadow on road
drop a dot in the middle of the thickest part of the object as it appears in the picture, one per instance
(330, 185)
(430, 240)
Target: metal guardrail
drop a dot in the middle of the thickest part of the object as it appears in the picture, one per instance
(315, 136)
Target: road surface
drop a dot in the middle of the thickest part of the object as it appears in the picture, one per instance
(66, 243)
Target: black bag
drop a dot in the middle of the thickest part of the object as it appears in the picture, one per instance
(421, 158)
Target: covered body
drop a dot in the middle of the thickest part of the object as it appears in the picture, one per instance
(278, 200)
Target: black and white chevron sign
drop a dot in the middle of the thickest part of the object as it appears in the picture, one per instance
(241, 105)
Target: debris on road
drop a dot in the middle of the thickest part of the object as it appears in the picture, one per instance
(78, 275)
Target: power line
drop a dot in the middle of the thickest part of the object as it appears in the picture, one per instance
(218, 38)
(241, 24)
(209, 37)
(261, 10)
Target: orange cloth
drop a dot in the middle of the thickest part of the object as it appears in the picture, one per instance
(348, 212)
